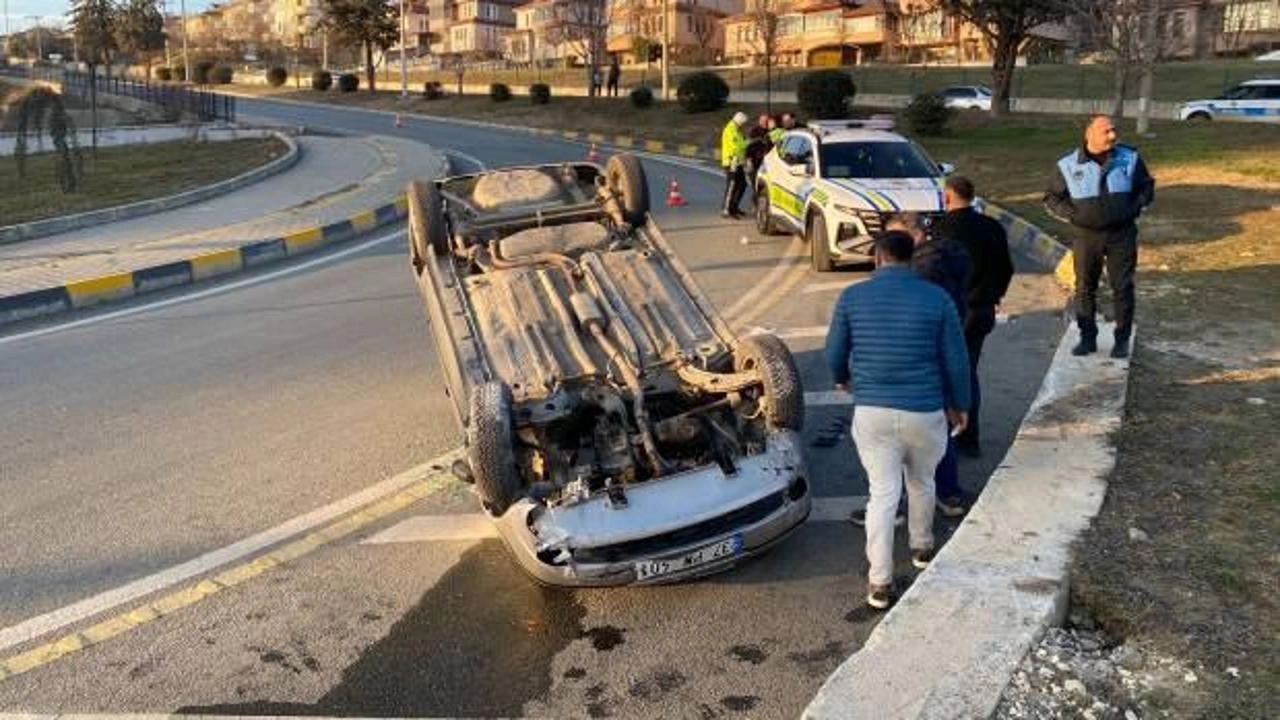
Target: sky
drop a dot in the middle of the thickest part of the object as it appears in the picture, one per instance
(21, 12)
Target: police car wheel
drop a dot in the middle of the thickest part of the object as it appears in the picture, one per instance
(1199, 117)
(764, 223)
(818, 250)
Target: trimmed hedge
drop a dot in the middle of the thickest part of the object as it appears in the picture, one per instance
(433, 90)
(164, 74)
(178, 73)
(540, 93)
(321, 80)
(200, 74)
(702, 92)
(499, 92)
(348, 83)
(277, 76)
(825, 94)
(642, 97)
(221, 75)
(927, 114)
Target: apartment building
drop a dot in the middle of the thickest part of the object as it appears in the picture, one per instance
(697, 29)
(476, 28)
(818, 32)
(558, 32)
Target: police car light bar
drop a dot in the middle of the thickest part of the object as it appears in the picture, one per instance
(875, 122)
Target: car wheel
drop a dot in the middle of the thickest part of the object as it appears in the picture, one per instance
(764, 223)
(783, 393)
(1199, 117)
(490, 447)
(427, 231)
(626, 178)
(818, 249)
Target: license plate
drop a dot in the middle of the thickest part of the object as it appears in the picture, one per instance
(650, 569)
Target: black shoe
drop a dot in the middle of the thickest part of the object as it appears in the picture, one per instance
(969, 448)
(859, 517)
(1120, 350)
(952, 506)
(1086, 346)
(737, 214)
(879, 597)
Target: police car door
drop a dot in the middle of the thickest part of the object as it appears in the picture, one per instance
(796, 179)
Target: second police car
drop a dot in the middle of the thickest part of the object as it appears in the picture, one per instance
(838, 182)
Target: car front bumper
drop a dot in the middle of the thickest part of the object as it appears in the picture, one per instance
(592, 543)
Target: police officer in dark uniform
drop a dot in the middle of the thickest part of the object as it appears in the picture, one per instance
(1101, 188)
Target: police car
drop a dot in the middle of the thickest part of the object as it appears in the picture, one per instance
(1256, 100)
(838, 182)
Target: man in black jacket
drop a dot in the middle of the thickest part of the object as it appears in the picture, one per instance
(943, 262)
(1101, 188)
(991, 270)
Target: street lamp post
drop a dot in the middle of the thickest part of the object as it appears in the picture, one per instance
(666, 50)
(186, 58)
(404, 66)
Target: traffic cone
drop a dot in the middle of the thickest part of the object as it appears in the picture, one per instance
(399, 122)
(592, 155)
(674, 198)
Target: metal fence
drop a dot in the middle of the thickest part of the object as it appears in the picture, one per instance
(207, 106)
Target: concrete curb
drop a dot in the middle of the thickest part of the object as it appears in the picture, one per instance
(221, 263)
(67, 223)
(950, 645)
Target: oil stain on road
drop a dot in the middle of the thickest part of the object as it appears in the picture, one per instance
(480, 642)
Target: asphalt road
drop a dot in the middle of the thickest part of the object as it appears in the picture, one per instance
(139, 442)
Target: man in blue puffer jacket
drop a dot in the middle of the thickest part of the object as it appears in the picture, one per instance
(1101, 188)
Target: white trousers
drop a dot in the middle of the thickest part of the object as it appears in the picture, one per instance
(894, 444)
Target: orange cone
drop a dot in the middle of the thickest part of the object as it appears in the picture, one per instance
(674, 198)
(592, 155)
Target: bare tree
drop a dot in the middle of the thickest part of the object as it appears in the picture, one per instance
(765, 20)
(1134, 35)
(1237, 18)
(581, 26)
(1007, 24)
(706, 25)
(140, 30)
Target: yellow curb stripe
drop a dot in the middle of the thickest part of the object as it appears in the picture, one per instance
(303, 239)
(100, 289)
(366, 220)
(570, 134)
(188, 596)
(624, 141)
(688, 150)
(402, 203)
(655, 146)
(1066, 271)
(214, 264)
(595, 137)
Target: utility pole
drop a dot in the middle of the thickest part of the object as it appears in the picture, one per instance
(186, 58)
(666, 49)
(404, 61)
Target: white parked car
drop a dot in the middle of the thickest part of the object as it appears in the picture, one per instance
(1273, 56)
(1255, 100)
(967, 97)
(837, 182)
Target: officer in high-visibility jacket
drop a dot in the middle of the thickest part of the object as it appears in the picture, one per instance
(1101, 188)
(733, 157)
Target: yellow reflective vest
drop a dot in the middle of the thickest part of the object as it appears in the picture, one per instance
(733, 146)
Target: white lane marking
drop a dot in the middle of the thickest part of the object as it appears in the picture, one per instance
(218, 290)
(812, 331)
(41, 625)
(478, 526)
(766, 284)
(827, 398)
(834, 286)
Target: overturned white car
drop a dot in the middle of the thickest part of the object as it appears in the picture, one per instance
(616, 429)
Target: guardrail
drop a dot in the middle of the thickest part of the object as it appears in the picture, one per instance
(205, 105)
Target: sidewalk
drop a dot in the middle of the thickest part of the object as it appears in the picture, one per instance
(335, 179)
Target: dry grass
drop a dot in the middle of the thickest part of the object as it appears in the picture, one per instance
(121, 175)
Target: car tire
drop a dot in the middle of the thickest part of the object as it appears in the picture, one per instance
(428, 233)
(764, 223)
(490, 447)
(818, 249)
(625, 177)
(1199, 117)
(783, 391)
